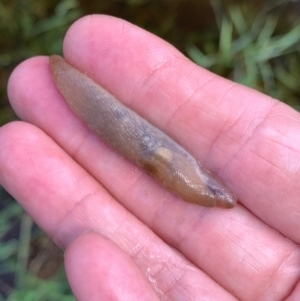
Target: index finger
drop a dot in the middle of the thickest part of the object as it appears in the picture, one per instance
(252, 142)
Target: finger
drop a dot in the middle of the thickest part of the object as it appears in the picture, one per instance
(98, 270)
(67, 202)
(295, 295)
(238, 133)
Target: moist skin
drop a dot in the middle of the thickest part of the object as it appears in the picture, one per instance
(138, 140)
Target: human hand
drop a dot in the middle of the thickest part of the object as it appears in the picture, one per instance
(118, 226)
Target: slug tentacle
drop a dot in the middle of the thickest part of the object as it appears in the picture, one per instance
(137, 140)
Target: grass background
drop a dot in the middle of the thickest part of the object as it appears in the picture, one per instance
(254, 43)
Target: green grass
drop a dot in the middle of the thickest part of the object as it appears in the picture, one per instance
(254, 54)
(26, 255)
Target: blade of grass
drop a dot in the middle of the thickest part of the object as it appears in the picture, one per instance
(238, 20)
(198, 57)
(268, 77)
(225, 45)
(267, 31)
(23, 250)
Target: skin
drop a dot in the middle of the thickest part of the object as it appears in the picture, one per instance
(66, 178)
(137, 140)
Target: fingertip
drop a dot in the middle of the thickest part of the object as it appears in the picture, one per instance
(15, 131)
(122, 46)
(21, 79)
(98, 270)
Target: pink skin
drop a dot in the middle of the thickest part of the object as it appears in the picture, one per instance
(71, 183)
(113, 271)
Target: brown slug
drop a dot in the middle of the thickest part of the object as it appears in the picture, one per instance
(137, 140)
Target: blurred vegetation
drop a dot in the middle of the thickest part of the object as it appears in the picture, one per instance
(255, 43)
(30, 264)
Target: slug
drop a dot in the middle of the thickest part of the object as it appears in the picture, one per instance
(137, 140)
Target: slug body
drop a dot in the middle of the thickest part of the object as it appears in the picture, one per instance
(138, 140)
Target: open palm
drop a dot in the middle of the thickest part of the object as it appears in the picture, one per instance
(126, 237)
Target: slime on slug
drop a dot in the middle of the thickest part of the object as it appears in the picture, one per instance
(137, 140)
